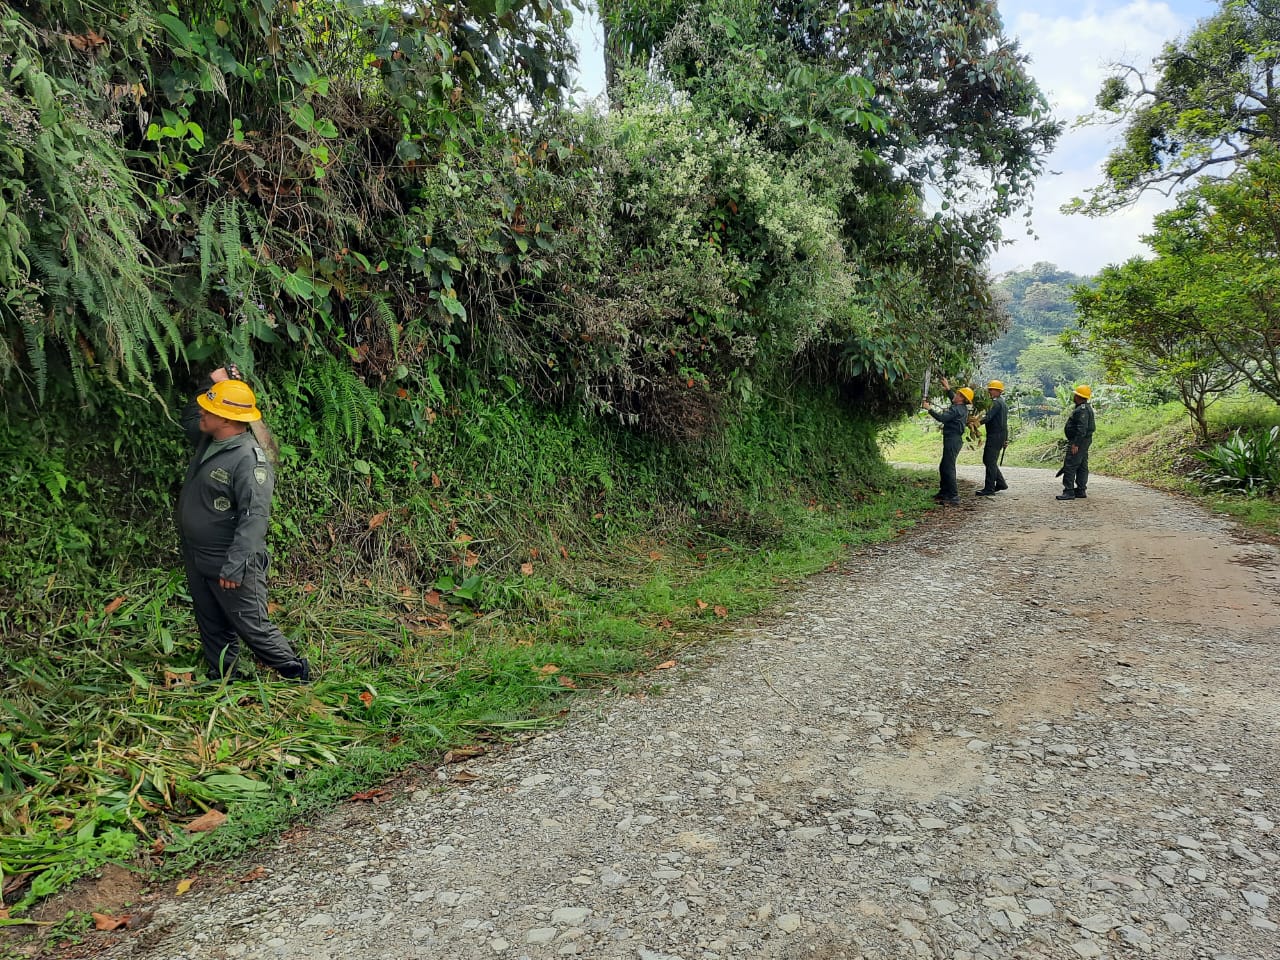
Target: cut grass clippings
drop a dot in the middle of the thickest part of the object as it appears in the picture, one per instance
(112, 743)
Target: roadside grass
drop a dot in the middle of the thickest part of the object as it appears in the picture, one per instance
(1151, 445)
(112, 744)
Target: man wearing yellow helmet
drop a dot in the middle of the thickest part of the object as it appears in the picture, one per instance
(223, 511)
(954, 420)
(1079, 432)
(996, 420)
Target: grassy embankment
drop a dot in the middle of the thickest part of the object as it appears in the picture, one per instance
(1154, 446)
(457, 587)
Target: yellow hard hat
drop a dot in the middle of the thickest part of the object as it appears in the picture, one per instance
(1084, 391)
(966, 393)
(995, 385)
(232, 400)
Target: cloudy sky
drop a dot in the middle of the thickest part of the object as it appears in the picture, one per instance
(1070, 45)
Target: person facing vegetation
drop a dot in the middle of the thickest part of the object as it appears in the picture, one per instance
(1079, 432)
(222, 517)
(996, 420)
(954, 420)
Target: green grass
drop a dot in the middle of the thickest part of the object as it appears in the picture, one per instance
(1151, 445)
(608, 558)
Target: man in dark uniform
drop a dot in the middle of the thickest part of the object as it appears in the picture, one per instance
(1079, 431)
(223, 511)
(996, 420)
(954, 420)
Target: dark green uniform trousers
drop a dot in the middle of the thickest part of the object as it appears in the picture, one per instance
(947, 487)
(1075, 469)
(224, 616)
(991, 460)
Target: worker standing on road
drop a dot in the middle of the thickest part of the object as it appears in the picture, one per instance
(1079, 432)
(996, 420)
(954, 420)
(223, 511)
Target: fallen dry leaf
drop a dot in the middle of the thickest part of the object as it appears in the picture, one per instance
(665, 665)
(4, 913)
(470, 559)
(526, 569)
(433, 597)
(378, 519)
(209, 821)
(458, 754)
(567, 683)
(463, 538)
(721, 611)
(547, 670)
(273, 608)
(158, 845)
(464, 776)
(308, 588)
(564, 553)
(533, 552)
(702, 604)
(183, 886)
(106, 922)
(654, 555)
(257, 873)
(371, 796)
(366, 698)
(435, 481)
(113, 606)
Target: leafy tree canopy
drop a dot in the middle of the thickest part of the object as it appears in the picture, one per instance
(1209, 102)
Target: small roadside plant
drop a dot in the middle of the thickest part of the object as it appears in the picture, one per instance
(1245, 462)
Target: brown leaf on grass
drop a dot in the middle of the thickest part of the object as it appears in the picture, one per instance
(107, 923)
(378, 519)
(463, 539)
(178, 678)
(183, 886)
(4, 913)
(158, 845)
(458, 754)
(308, 588)
(721, 611)
(433, 597)
(366, 698)
(435, 481)
(273, 608)
(464, 776)
(597, 516)
(664, 624)
(209, 821)
(113, 606)
(702, 604)
(665, 665)
(13, 884)
(564, 553)
(85, 42)
(372, 796)
(654, 555)
(526, 569)
(546, 670)
(566, 682)
(406, 591)
(470, 558)
(257, 873)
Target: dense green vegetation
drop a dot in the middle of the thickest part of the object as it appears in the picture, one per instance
(552, 387)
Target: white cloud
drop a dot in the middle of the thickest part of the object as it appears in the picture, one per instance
(1070, 55)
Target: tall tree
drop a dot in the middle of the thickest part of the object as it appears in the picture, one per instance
(1144, 318)
(1207, 103)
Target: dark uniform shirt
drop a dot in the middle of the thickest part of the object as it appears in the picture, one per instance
(1079, 428)
(996, 420)
(225, 503)
(953, 420)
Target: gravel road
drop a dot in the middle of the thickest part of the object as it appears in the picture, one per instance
(1034, 730)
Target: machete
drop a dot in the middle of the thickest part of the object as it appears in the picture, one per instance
(261, 432)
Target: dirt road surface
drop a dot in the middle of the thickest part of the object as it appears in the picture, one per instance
(1033, 730)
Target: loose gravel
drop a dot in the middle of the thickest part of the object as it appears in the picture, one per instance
(1033, 730)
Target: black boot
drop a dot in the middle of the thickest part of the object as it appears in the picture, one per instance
(1080, 495)
(1066, 495)
(985, 493)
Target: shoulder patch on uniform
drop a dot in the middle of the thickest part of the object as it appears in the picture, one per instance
(261, 455)
(260, 474)
(222, 504)
(220, 475)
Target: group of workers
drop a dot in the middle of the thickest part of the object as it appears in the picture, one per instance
(956, 418)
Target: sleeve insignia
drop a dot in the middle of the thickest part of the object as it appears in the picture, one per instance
(220, 475)
(222, 504)
(260, 474)
(262, 457)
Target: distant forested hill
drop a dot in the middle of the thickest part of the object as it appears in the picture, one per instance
(1038, 301)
